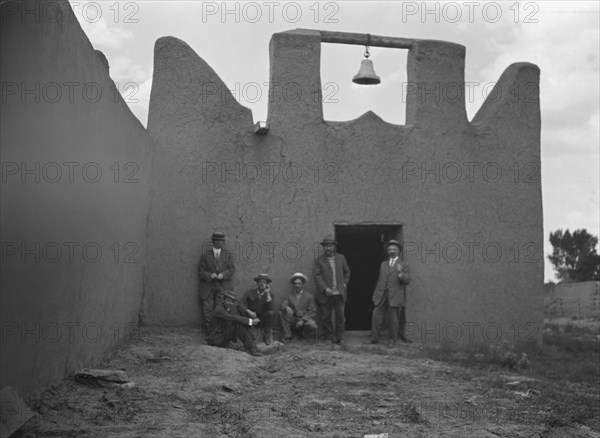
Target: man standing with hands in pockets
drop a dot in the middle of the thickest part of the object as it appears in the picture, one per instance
(390, 296)
(332, 276)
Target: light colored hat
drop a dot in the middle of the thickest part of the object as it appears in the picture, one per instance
(299, 275)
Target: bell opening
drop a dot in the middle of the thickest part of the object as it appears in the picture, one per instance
(345, 100)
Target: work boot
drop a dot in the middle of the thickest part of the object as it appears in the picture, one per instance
(268, 336)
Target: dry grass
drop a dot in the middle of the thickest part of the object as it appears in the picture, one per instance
(564, 371)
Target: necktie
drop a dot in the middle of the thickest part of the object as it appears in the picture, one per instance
(391, 262)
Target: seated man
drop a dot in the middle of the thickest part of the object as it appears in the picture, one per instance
(226, 324)
(259, 304)
(298, 308)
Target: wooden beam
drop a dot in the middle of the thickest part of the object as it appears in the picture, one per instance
(361, 39)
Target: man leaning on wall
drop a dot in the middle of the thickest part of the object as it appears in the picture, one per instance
(216, 269)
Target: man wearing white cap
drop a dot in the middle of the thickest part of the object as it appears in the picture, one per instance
(298, 308)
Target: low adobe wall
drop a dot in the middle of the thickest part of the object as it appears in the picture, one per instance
(573, 300)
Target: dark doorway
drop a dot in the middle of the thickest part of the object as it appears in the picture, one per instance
(363, 247)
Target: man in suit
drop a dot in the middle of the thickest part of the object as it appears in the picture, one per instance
(216, 269)
(259, 304)
(227, 324)
(390, 295)
(298, 308)
(332, 275)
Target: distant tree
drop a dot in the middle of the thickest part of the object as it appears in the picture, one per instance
(574, 256)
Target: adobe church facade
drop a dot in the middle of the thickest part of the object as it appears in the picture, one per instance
(88, 256)
(464, 197)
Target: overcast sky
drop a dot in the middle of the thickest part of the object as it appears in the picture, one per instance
(562, 38)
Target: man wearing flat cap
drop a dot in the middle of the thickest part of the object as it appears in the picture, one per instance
(298, 308)
(332, 276)
(390, 295)
(216, 269)
(227, 324)
(259, 304)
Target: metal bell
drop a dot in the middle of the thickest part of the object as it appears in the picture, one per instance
(366, 74)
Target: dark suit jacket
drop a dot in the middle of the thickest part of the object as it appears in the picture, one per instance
(396, 278)
(324, 276)
(208, 264)
(221, 321)
(252, 301)
(305, 309)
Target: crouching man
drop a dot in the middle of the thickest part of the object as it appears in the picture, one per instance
(298, 308)
(259, 304)
(226, 324)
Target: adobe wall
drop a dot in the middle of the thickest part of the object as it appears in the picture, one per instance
(75, 186)
(572, 300)
(472, 226)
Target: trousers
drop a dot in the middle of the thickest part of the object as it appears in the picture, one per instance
(208, 304)
(287, 321)
(336, 305)
(382, 310)
(231, 333)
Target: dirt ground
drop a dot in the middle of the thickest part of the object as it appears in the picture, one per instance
(185, 388)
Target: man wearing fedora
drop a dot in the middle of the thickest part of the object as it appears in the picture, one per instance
(298, 308)
(259, 304)
(216, 269)
(390, 295)
(227, 324)
(332, 276)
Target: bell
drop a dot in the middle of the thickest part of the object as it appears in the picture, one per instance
(366, 74)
